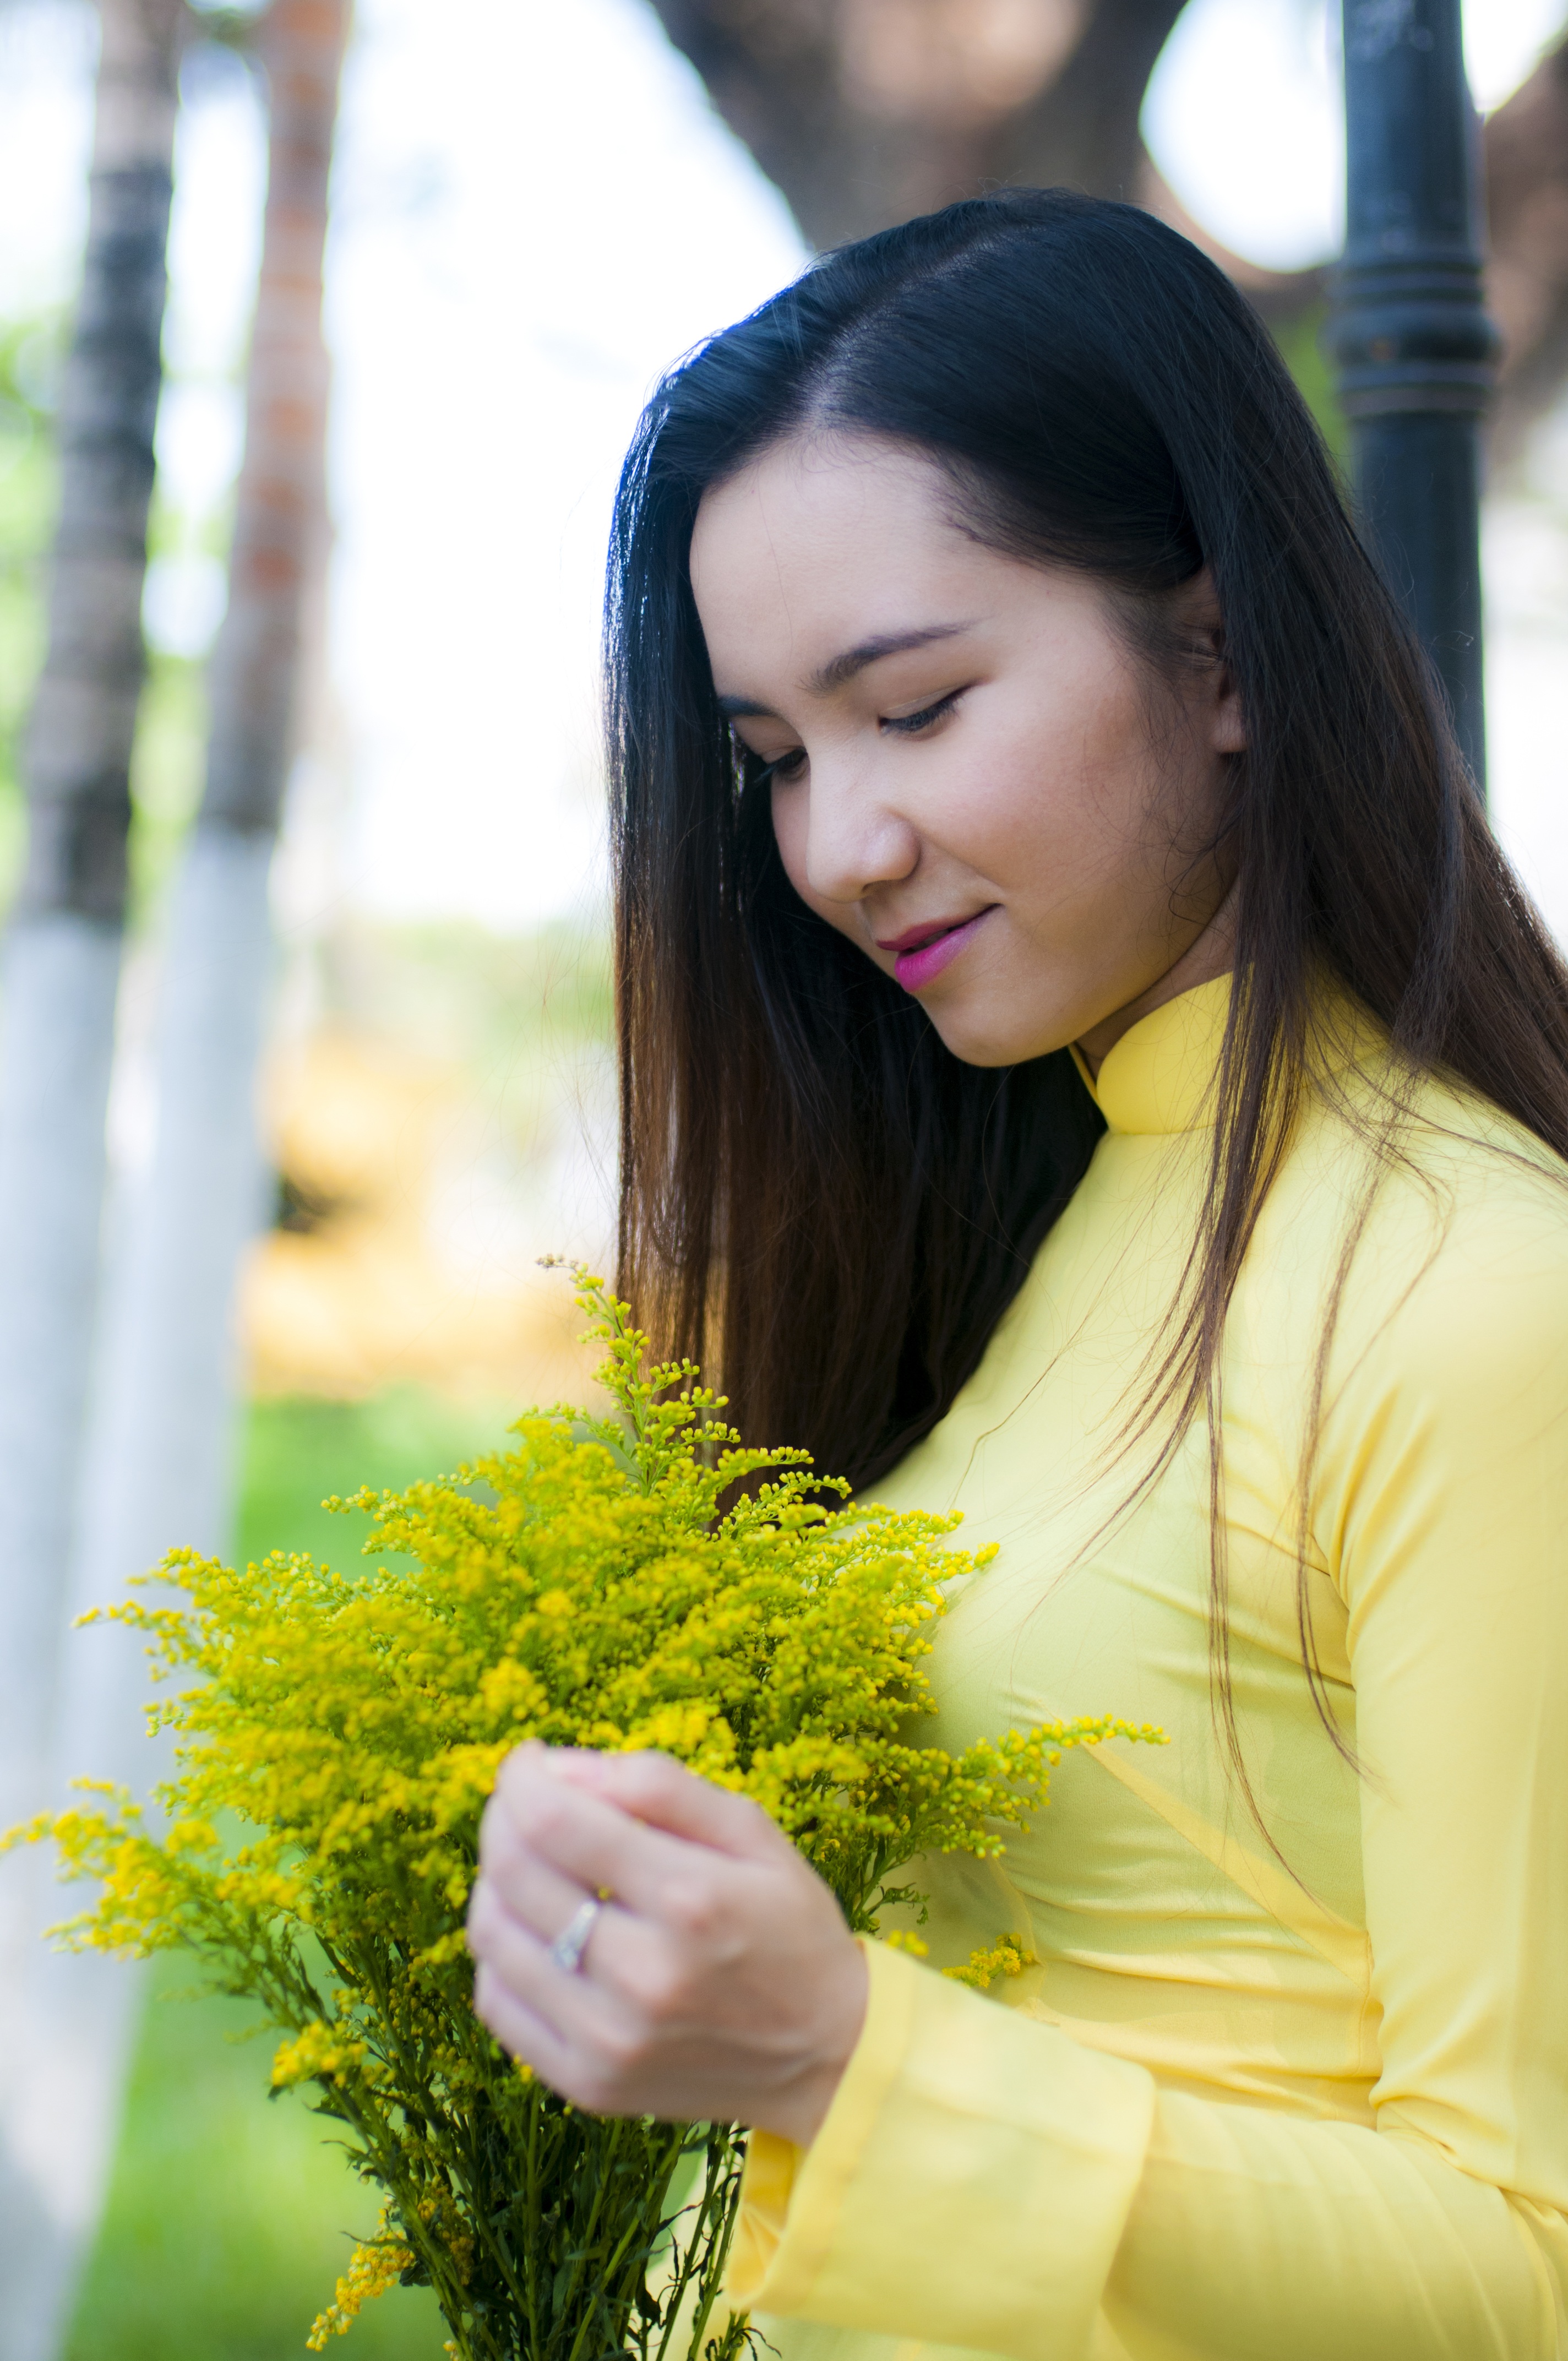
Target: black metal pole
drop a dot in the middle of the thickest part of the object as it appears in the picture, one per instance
(1409, 331)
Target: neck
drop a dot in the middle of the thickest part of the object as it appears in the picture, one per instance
(1210, 953)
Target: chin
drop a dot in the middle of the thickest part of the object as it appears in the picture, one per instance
(990, 1029)
(979, 1044)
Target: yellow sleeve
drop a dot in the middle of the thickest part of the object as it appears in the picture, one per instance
(983, 2180)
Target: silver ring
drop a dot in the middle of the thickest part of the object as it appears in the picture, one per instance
(567, 1950)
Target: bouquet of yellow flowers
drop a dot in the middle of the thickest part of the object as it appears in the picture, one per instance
(318, 1839)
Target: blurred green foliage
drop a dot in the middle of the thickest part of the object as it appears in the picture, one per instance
(299, 1453)
(230, 2215)
(451, 990)
(1300, 342)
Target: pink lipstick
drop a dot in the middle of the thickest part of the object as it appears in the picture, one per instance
(924, 952)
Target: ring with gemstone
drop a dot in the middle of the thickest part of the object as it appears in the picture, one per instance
(567, 1950)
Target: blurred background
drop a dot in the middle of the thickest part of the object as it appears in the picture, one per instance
(333, 847)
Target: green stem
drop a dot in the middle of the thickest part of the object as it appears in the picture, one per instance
(585, 2249)
(717, 2259)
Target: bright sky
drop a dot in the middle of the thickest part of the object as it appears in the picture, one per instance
(534, 211)
(1244, 114)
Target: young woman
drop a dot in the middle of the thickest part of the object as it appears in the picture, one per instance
(1086, 1063)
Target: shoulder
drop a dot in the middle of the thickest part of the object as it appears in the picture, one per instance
(1421, 1261)
(1444, 1408)
(1429, 1220)
(1465, 1253)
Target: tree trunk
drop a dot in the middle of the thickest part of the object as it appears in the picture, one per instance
(1527, 278)
(61, 971)
(864, 112)
(162, 1444)
(159, 1462)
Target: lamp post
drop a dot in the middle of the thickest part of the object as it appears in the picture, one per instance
(1409, 332)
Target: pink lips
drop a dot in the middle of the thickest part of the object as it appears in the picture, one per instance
(925, 951)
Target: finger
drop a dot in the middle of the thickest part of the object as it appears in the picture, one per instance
(588, 2082)
(531, 1887)
(588, 1839)
(658, 1790)
(533, 1896)
(517, 2027)
(626, 1956)
(574, 2010)
(507, 1823)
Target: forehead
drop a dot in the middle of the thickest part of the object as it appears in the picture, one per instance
(822, 538)
(819, 487)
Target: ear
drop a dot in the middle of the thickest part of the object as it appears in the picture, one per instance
(1227, 722)
(1221, 700)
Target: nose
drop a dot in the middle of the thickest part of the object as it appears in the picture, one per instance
(855, 839)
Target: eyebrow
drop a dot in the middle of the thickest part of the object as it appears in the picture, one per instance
(843, 668)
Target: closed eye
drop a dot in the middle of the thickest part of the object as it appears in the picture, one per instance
(782, 767)
(788, 765)
(910, 725)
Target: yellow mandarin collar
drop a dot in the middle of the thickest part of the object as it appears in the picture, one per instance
(1160, 1075)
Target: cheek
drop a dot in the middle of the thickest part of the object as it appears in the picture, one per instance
(1002, 799)
(1055, 785)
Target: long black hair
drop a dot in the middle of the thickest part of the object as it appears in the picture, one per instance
(817, 1197)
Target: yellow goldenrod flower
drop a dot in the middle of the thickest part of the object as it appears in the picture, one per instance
(635, 1581)
(373, 2267)
(1006, 1957)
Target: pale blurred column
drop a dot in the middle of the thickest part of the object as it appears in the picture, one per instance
(60, 978)
(161, 1446)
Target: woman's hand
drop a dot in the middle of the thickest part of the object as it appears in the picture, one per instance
(718, 1982)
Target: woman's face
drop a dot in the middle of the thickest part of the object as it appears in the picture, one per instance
(973, 778)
